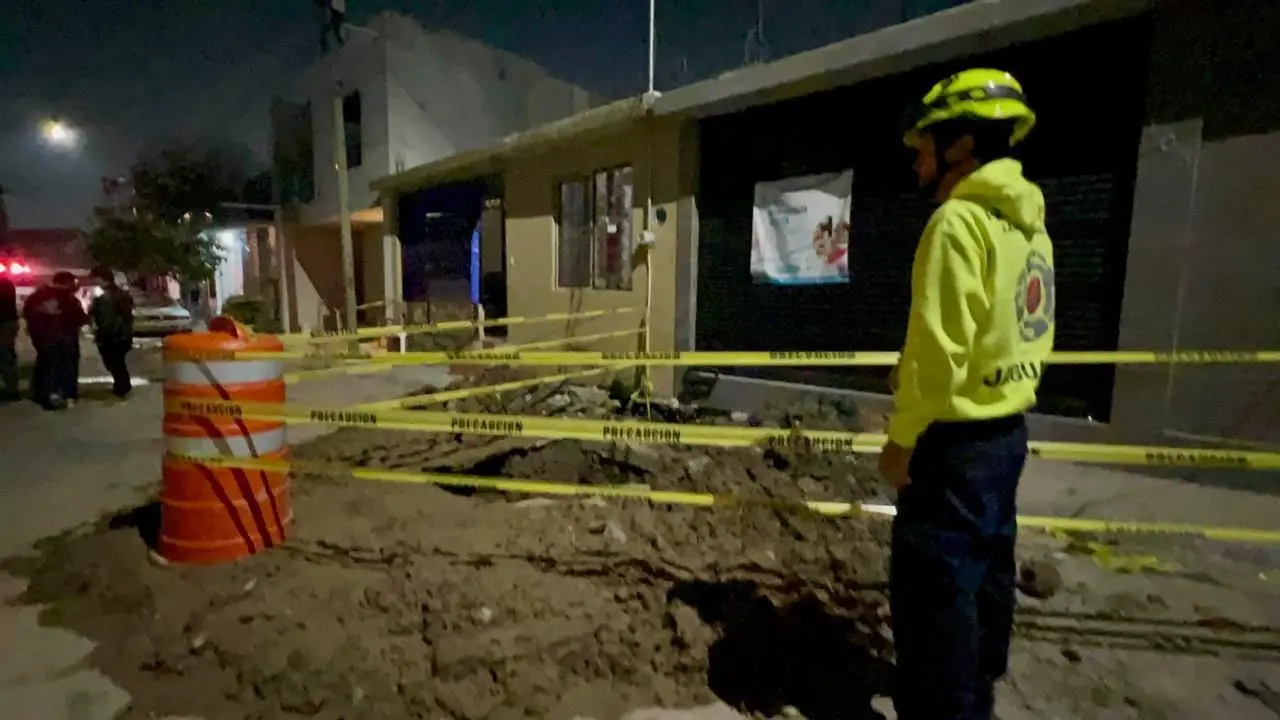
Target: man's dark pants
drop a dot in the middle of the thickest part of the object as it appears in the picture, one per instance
(115, 354)
(69, 370)
(56, 372)
(952, 572)
(8, 360)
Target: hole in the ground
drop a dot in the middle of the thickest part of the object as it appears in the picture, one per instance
(490, 467)
(800, 654)
(144, 519)
(560, 461)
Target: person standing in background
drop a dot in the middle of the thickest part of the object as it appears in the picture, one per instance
(54, 317)
(112, 315)
(9, 322)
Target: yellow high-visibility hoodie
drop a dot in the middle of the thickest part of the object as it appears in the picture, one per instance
(982, 305)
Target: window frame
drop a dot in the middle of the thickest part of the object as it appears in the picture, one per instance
(355, 150)
(587, 232)
(627, 238)
(593, 280)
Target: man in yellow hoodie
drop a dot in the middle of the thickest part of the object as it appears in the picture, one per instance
(980, 330)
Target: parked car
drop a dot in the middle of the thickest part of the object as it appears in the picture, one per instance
(155, 314)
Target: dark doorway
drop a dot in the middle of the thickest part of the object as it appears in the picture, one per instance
(436, 227)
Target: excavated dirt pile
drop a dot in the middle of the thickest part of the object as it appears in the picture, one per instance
(394, 601)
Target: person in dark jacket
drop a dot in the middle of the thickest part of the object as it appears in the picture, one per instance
(54, 317)
(9, 322)
(112, 315)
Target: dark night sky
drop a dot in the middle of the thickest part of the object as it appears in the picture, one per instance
(135, 73)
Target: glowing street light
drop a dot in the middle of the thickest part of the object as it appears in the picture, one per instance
(60, 134)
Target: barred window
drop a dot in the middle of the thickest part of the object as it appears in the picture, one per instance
(595, 241)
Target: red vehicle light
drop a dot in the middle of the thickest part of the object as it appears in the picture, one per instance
(14, 268)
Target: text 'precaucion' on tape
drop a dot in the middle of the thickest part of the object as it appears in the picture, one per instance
(653, 433)
(699, 499)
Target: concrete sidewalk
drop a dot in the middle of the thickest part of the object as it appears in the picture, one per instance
(1096, 491)
(61, 470)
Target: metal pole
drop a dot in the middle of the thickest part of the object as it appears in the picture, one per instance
(653, 34)
(344, 211)
(283, 256)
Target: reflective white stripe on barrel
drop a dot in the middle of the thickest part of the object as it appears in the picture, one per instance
(235, 444)
(236, 372)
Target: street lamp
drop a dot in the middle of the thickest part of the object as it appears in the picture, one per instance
(60, 134)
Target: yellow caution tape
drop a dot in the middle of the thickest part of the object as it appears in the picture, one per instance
(1155, 456)
(566, 341)
(528, 487)
(353, 369)
(393, 330)
(1106, 557)
(461, 393)
(698, 499)
(1128, 527)
(379, 355)
(554, 428)
(651, 433)
(1183, 357)
(508, 356)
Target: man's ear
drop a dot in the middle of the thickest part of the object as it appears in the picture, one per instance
(960, 150)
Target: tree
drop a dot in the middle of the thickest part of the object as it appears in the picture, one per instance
(177, 191)
(190, 178)
(258, 189)
(140, 244)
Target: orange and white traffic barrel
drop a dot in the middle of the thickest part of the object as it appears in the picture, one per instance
(214, 514)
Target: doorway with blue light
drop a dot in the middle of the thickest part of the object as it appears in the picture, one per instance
(453, 249)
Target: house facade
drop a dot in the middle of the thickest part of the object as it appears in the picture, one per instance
(407, 96)
(1156, 181)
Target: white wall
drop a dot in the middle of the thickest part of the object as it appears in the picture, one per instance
(360, 66)
(228, 279)
(448, 93)
(424, 96)
(1204, 253)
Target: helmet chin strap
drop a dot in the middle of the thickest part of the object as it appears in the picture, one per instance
(941, 168)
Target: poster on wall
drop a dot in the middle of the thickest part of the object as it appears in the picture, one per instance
(800, 230)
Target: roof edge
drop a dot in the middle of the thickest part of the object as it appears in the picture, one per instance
(485, 160)
(971, 28)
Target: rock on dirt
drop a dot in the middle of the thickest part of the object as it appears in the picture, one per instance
(1039, 578)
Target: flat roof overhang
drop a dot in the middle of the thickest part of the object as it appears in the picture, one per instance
(974, 28)
(483, 161)
(977, 27)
